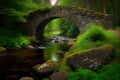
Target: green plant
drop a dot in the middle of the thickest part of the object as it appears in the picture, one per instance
(11, 38)
(82, 74)
(95, 36)
(61, 27)
(15, 11)
(109, 72)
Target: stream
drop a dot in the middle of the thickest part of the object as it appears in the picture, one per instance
(18, 63)
(56, 48)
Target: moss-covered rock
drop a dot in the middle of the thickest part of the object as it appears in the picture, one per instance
(45, 68)
(2, 49)
(93, 58)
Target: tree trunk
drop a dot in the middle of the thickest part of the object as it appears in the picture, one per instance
(105, 6)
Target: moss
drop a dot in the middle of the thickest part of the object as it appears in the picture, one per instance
(63, 66)
(95, 36)
(105, 47)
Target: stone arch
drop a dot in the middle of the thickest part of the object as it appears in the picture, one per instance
(40, 28)
(79, 16)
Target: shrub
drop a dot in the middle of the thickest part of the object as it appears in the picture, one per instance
(11, 38)
(95, 36)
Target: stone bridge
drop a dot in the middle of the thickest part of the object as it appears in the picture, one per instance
(79, 16)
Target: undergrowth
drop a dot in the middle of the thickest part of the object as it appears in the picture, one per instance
(109, 72)
(95, 36)
(12, 38)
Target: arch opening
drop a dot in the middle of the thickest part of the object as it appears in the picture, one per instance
(54, 26)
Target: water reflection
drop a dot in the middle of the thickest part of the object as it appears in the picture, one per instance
(51, 52)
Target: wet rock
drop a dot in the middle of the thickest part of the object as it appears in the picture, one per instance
(47, 67)
(59, 76)
(71, 41)
(2, 49)
(35, 43)
(29, 47)
(60, 39)
(92, 59)
(26, 78)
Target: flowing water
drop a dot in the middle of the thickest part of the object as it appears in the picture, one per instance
(56, 46)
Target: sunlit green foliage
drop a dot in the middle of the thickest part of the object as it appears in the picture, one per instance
(62, 27)
(42, 3)
(70, 3)
(95, 36)
(11, 38)
(109, 72)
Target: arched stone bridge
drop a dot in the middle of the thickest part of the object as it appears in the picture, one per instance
(79, 16)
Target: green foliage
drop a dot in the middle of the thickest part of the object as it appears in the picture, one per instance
(46, 79)
(82, 74)
(52, 28)
(69, 29)
(95, 36)
(61, 26)
(15, 10)
(11, 38)
(109, 72)
(70, 3)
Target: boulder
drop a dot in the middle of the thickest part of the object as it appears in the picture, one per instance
(26, 78)
(45, 68)
(29, 47)
(2, 49)
(59, 76)
(92, 59)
